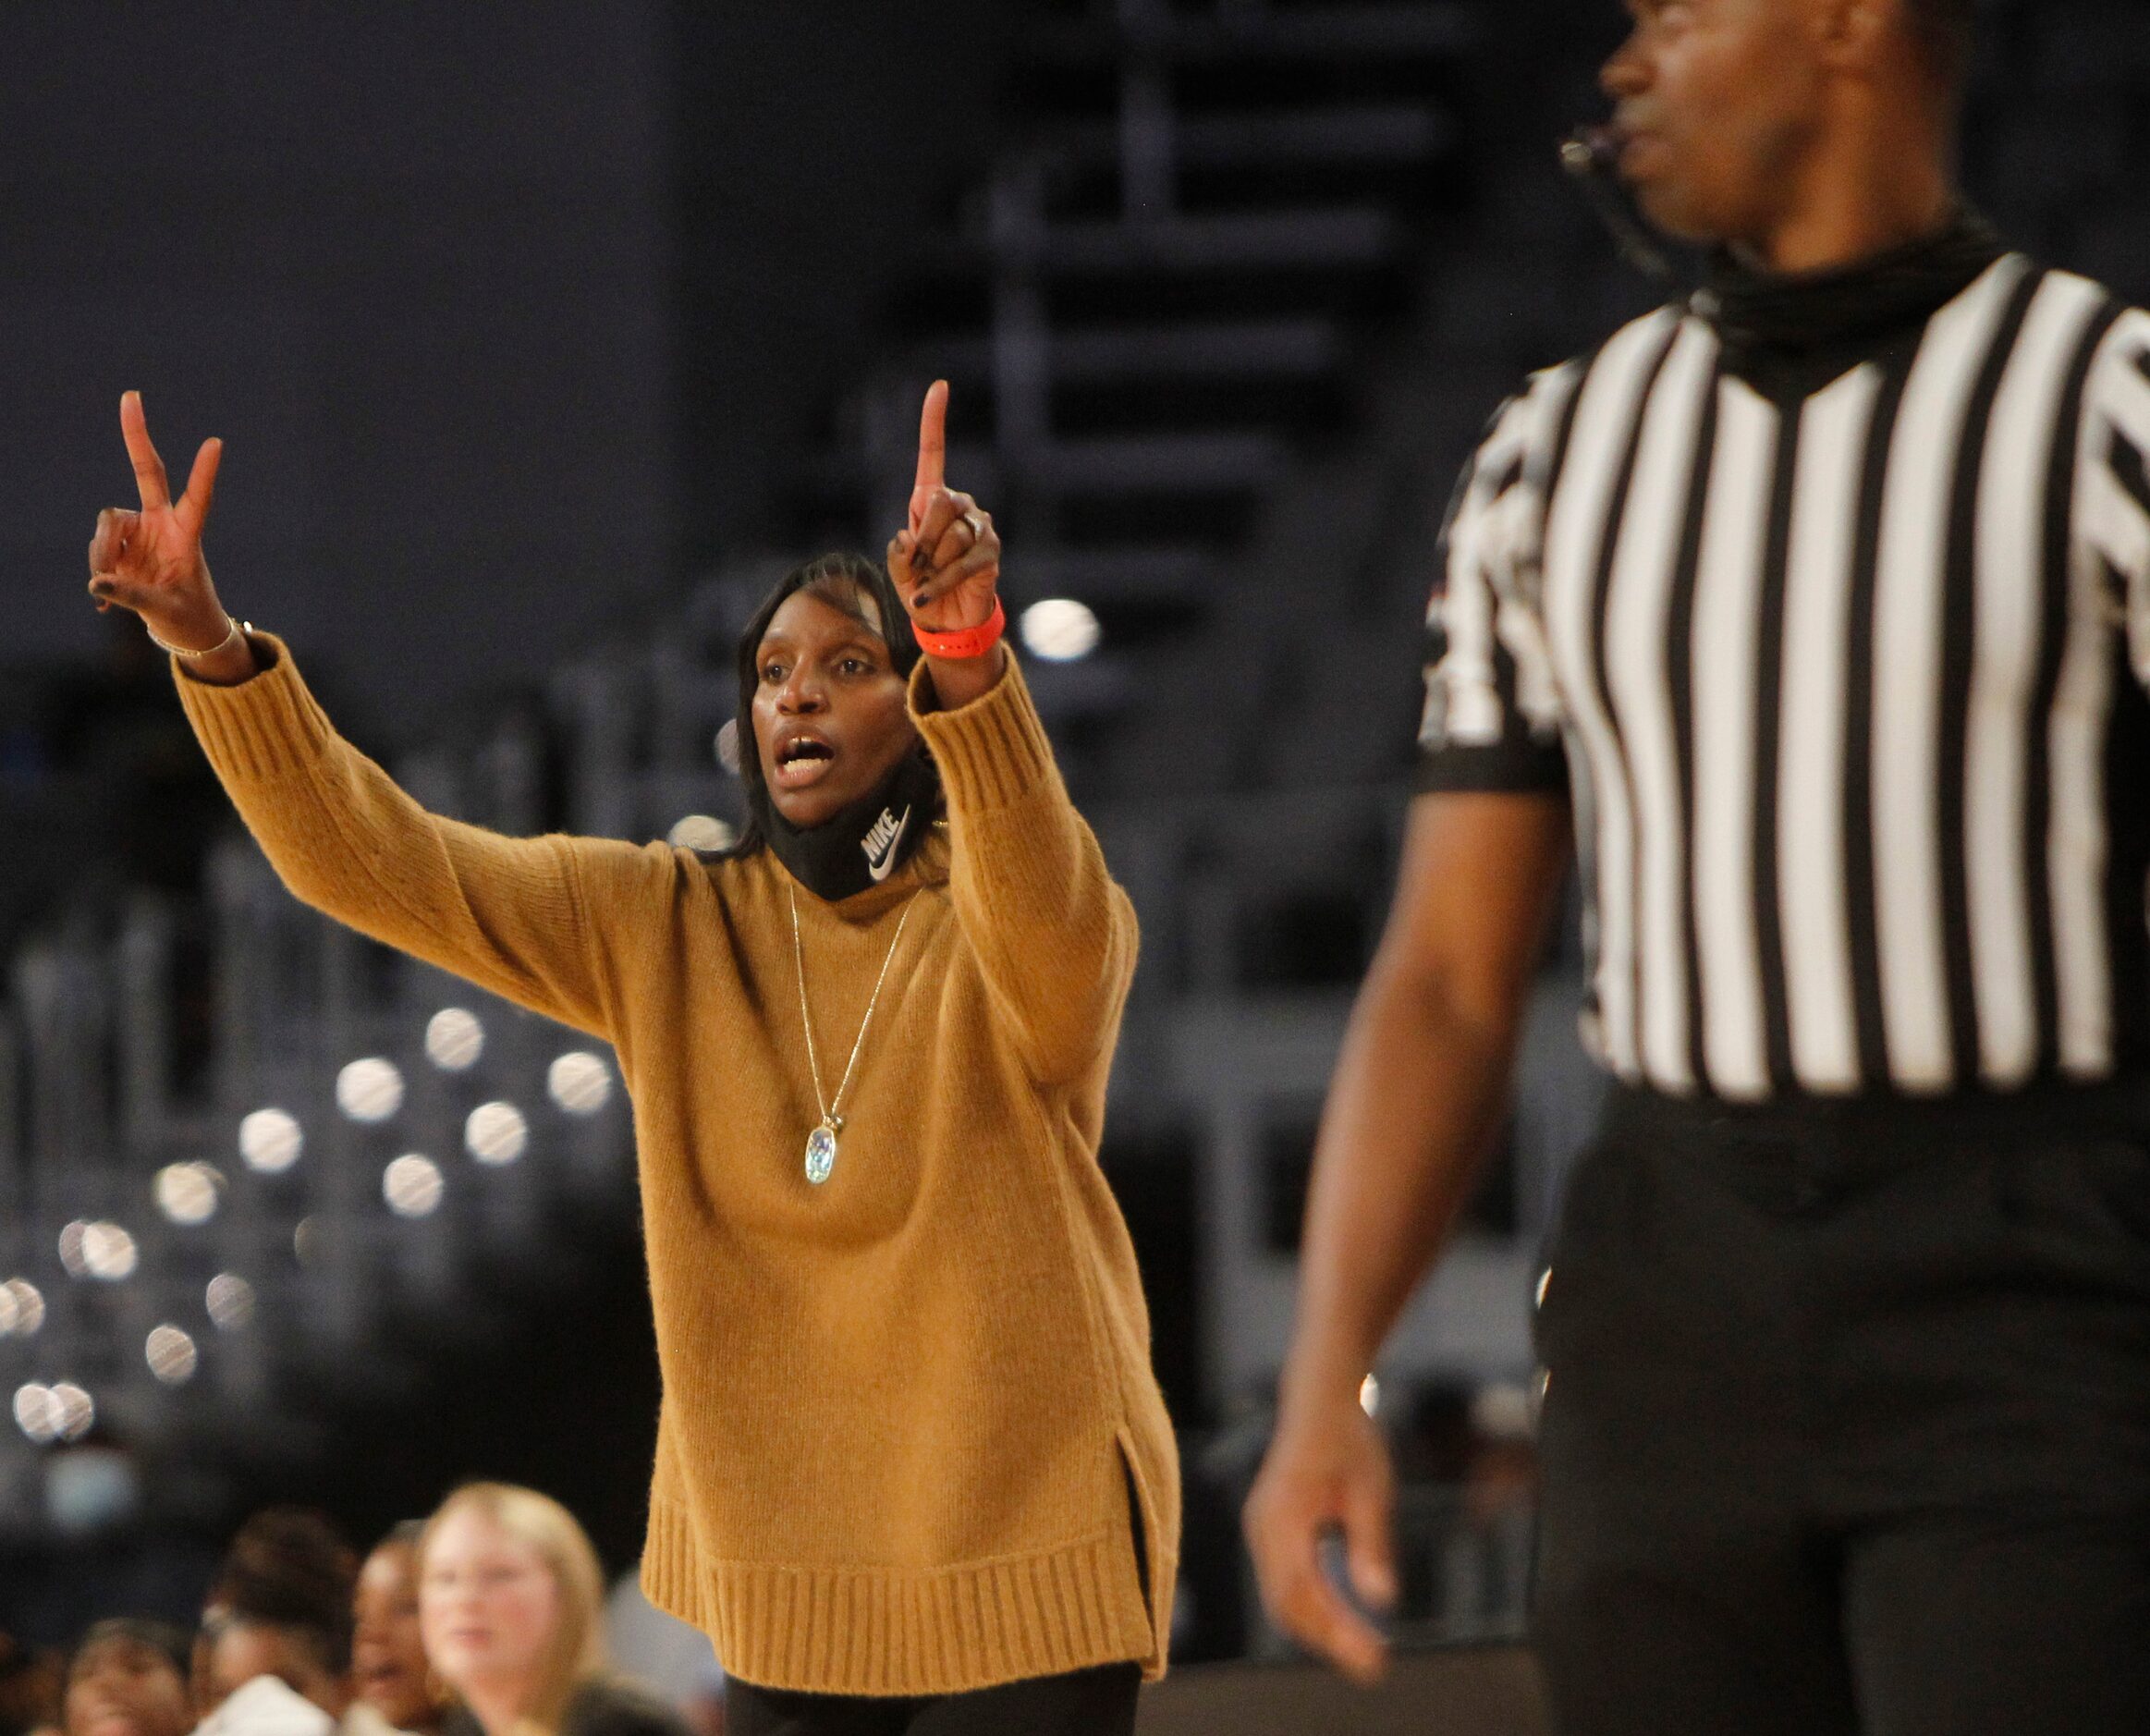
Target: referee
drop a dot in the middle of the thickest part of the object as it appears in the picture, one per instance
(1814, 612)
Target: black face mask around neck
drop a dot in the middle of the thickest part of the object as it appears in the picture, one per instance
(1901, 286)
(865, 841)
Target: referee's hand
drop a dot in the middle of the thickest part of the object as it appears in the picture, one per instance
(1326, 1472)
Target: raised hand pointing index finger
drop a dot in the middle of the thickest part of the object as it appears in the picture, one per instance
(933, 450)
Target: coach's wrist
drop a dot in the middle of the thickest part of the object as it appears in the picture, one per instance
(228, 665)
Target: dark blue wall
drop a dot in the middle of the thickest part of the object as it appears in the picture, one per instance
(426, 269)
(408, 260)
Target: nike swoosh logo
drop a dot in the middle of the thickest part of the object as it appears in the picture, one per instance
(879, 862)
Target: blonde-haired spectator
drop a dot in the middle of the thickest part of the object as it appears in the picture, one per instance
(510, 1607)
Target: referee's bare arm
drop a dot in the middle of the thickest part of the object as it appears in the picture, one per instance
(1420, 1089)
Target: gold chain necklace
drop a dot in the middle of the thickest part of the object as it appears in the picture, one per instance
(821, 1145)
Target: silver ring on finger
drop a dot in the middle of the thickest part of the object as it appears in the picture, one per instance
(976, 521)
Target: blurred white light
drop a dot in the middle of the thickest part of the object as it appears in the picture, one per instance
(306, 1241)
(171, 1355)
(270, 1141)
(71, 1260)
(412, 1185)
(496, 1134)
(580, 1082)
(702, 831)
(1059, 630)
(1544, 1284)
(1503, 1411)
(1370, 1395)
(37, 1412)
(22, 1308)
(108, 1253)
(454, 1039)
(370, 1090)
(187, 1193)
(230, 1301)
(77, 1410)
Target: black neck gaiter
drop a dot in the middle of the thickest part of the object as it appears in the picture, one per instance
(1793, 332)
(862, 843)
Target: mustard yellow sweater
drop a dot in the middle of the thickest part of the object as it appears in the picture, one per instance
(896, 1407)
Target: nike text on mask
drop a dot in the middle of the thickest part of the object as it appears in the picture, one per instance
(863, 842)
(881, 840)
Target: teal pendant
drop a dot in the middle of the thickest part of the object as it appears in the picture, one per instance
(821, 1153)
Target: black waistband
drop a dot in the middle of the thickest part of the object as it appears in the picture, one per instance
(1851, 1132)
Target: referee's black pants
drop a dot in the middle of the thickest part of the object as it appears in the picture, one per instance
(1847, 1425)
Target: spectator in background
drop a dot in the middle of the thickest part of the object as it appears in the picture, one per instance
(281, 1607)
(246, 1650)
(277, 1659)
(31, 1682)
(128, 1678)
(510, 1601)
(266, 1705)
(389, 1671)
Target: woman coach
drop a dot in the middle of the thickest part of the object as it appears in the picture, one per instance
(910, 1446)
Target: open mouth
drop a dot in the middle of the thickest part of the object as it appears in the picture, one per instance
(1641, 153)
(108, 1719)
(801, 761)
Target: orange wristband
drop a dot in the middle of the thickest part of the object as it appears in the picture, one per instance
(973, 642)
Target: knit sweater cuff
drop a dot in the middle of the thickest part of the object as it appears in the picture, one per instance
(993, 752)
(266, 726)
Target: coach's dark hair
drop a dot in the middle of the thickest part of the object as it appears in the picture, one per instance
(844, 582)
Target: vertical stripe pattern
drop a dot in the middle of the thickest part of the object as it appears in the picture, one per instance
(1846, 686)
(2010, 616)
(1909, 612)
(2111, 540)
(1812, 864)
(1582, 531)
(1639, 681)
(1727, 654)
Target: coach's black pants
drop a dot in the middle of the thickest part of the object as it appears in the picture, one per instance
(1099, 1702)
(1848, 1421)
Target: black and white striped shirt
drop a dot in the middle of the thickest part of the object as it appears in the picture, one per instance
(1846, 683)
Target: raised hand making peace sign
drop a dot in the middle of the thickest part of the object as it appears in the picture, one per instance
(946, 562)
(151, 560)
